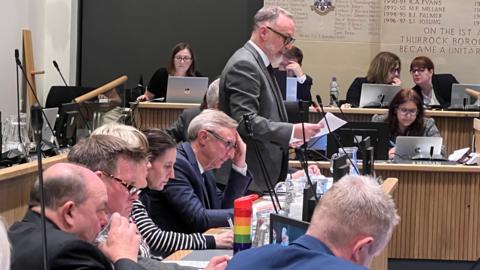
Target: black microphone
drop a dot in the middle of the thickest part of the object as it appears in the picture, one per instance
(17, 57)
(58, 69)
(319, 100)
(36, 120)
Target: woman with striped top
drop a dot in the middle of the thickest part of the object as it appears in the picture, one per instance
(162, 155)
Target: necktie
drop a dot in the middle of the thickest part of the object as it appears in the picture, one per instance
(205, 191)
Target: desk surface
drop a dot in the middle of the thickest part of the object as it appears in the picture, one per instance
(26, 168)
(162, 105)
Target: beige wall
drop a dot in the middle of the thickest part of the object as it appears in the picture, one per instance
(342, 42)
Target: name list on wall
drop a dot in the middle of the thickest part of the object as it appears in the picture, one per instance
(417, 27)
(432, 27)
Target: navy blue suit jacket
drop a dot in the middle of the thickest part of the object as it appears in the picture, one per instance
(191, 204)
(304, 253)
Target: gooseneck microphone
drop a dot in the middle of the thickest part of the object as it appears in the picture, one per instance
(247, 119)
(19, 64)
(319, 100)
(59, 72)
(37, 123)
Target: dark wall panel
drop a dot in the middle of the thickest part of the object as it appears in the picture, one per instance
(135, 37)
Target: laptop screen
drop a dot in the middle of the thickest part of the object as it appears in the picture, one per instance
(284, 230)
(377, 95)
(186, 89)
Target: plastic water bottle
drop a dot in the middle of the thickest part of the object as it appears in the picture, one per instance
(334, 91)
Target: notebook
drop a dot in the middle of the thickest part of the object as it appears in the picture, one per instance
(186, 89)
(377, 95)
(419, 148)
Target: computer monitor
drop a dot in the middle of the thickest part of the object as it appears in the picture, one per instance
(284, 230)
(66, 125)
(460, 98)
(378, 133)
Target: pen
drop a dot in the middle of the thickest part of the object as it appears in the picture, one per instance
(230, 223)
(392, 144)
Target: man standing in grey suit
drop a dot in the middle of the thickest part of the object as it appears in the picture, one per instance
(248, 88)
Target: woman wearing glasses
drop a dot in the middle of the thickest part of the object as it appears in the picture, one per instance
(182, 63)
(434, 89)
(384, 69)
(406, 118)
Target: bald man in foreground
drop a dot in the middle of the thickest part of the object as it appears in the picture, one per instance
(351, 225)
(75, 204)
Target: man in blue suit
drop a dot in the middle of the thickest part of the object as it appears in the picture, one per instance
(351, 224)
(191, 202)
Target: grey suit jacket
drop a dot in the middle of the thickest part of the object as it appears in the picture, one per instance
(246, 87)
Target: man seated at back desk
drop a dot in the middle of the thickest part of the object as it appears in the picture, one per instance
(351, 224)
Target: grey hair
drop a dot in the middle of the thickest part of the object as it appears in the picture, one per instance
(131, 135)
(4, 246)
(212, 94)
(211, 120)
(268, 14)
(355, 205)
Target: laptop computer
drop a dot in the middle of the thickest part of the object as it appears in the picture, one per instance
(377, 95)
(460, 100)
(419, 148)
(186, 89)
(284, 230)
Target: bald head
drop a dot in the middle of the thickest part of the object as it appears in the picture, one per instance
(64, 181)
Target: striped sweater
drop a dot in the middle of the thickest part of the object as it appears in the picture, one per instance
(165, 242)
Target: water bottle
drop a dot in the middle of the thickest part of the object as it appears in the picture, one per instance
(334, 91)
(242, 221)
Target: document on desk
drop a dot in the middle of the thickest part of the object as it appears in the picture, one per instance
(333, 122)
(196, 264)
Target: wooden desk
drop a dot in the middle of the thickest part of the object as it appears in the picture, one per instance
(439, 207)
(456, 127)
(158, 114)
(15, 185)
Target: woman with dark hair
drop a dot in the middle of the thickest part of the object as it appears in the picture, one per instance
(406, 117)
(162, 156)
(182, 62)
(434, 89)
(384, 69)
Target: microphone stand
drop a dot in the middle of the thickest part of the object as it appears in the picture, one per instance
(301, 152)
(19, 65)
(247, 118)
(22, 147)
(58, 69)
(37, 123)
(319, 100)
